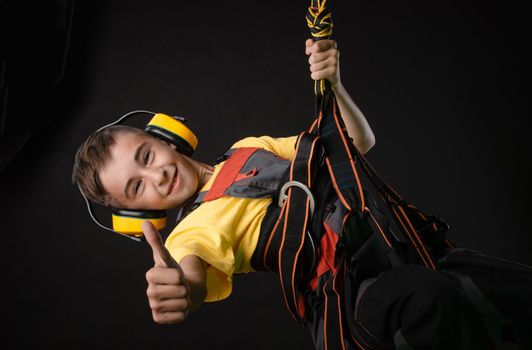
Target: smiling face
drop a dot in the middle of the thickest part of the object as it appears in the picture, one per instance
(145, 173)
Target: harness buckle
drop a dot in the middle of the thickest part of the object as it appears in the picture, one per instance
(283, 196)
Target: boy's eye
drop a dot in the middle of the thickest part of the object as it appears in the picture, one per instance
(136, 188)
(147, 157)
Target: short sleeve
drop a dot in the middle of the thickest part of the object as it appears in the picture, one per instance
(212, 248)
(284, 147)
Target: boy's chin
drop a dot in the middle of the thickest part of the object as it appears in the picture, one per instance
(175, 205)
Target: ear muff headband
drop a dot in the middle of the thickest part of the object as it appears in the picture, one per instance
(128, 222)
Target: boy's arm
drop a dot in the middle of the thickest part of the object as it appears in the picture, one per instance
(356, 124)
(173, 289)
(325, 64)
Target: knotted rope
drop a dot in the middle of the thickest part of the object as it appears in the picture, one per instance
(320, 24)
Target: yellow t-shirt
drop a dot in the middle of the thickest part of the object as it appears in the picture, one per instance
(224, 232)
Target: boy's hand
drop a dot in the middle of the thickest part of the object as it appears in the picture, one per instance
(324, 60)
(168, 292)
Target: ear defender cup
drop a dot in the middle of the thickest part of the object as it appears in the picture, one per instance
(173, 131)
(129, 222)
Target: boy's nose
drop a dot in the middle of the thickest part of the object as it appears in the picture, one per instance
(157, 175)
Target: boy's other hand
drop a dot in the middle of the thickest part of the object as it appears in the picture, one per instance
(168, 292)
(324, 60)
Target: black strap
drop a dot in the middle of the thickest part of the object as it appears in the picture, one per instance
(341, 162)
(296, 221)
(335, 332)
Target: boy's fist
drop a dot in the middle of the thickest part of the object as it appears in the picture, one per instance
(324, 60)
(168, 291)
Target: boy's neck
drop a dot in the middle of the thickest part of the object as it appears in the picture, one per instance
(205, 172)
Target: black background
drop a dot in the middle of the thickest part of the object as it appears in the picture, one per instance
(442, 83)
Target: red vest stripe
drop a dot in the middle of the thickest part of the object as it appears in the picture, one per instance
(229, 172)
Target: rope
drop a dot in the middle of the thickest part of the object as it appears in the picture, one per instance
(319, 20)
(320, 24)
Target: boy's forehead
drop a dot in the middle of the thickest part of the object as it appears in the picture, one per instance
(122, 152)
(125, 143)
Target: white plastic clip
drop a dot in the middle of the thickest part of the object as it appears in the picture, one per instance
(283, 196)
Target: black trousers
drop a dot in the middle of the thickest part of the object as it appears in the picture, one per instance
(413, 307)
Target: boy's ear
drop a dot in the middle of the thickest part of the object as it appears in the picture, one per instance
(172, 146)
(112, 202)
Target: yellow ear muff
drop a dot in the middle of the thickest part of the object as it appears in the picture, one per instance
(173, 131)
(129, 222)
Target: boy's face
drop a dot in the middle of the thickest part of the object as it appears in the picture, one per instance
(146, 173)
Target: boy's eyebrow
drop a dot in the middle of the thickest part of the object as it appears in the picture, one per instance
(138, 151)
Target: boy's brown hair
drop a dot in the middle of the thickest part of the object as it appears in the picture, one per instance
(92, 156)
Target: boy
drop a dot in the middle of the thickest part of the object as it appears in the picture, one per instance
(127, 168)
(172, 178)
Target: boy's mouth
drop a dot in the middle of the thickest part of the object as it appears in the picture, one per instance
(173, 184)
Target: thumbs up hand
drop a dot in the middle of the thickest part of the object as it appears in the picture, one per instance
(168, 291)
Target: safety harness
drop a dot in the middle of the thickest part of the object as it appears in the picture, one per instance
(304, 236)
(326, 188)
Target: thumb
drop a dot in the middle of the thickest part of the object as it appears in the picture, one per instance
(161, 255)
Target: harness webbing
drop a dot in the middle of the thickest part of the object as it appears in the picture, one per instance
(294, 228)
